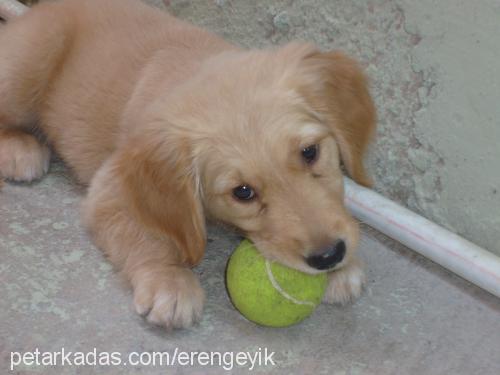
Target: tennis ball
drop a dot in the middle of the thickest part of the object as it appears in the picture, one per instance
(269, 293)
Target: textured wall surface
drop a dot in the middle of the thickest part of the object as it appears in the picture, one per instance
(458, 57)
(436, 80)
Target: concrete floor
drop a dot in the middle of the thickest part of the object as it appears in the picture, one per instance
(59, 292)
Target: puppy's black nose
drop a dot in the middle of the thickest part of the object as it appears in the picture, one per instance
(328, 257)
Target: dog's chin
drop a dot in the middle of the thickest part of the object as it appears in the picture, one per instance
(313, 271)
(295, 262)
(291, 260)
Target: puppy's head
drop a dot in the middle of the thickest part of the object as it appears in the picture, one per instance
(280, 126)
(264, 135)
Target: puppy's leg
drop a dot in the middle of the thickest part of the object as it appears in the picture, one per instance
(32, 47)
(166, 291)
(345, 284)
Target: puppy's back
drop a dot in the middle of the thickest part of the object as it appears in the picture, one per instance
(106, 52)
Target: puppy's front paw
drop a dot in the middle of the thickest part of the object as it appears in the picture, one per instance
(173, 298)
(345, 284)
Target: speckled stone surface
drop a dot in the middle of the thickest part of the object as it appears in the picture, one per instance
(57, 291)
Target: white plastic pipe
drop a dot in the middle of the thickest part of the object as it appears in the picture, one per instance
(11, 8)
(451, 251)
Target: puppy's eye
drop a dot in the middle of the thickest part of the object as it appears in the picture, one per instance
(310, 154)
(243, 193)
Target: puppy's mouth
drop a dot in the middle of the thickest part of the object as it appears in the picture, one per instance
(329, 258)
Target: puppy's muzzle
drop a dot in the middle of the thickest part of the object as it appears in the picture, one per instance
(329, 257)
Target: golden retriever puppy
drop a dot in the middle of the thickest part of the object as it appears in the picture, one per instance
(169, 124)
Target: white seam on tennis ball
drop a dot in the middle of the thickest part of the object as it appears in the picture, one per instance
(280, 289)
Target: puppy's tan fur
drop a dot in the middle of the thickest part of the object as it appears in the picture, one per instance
(162, 120)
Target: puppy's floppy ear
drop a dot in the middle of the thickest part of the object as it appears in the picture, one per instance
(162, 192)
(338, 92)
